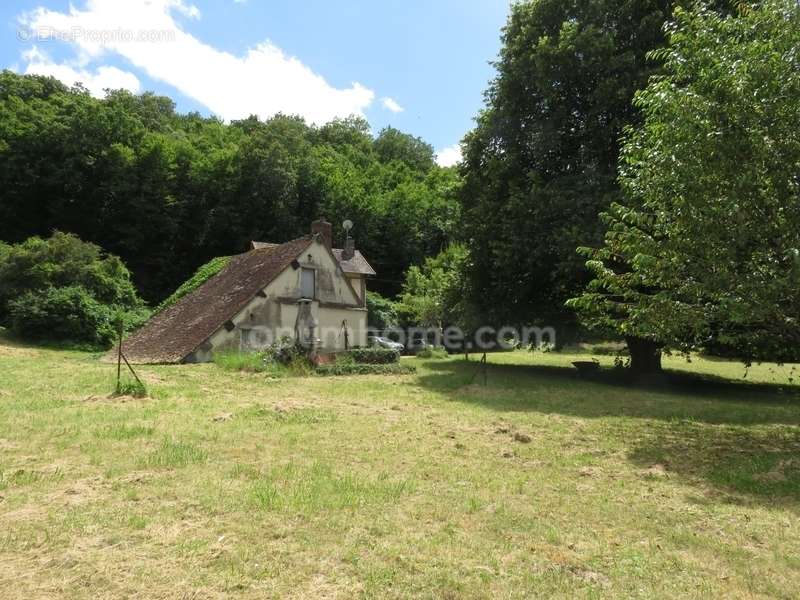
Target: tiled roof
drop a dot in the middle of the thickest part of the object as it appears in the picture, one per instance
(260, 245)
(177, 331)
(357, 264)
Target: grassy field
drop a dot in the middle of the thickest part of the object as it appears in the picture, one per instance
(434, 485)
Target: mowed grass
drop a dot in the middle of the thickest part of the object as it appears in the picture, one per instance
(535, 484)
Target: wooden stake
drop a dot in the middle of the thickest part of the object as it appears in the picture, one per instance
(119, 355)
(132, 371)
(482, 367)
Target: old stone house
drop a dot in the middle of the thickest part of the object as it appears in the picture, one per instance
(303, 289)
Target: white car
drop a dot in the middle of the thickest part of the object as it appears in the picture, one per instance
(383, 342)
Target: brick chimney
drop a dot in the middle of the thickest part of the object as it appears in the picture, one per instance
(349, 248)
(325, 229)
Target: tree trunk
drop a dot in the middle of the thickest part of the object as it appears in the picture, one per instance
(645, 356)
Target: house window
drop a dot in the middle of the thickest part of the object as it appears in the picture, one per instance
(307, 283)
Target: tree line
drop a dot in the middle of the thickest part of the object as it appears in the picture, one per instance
(166, 192)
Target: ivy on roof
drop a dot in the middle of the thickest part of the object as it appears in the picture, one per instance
(203, 274)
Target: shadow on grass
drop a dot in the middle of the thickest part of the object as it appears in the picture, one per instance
(739, 438)
(741, 464)
(675, 395)
(7, 338)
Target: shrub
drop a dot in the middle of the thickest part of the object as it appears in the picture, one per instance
(374, 355)
(131, 387)
(65, 313)
(432, 352)
(284, 351)
(345, 358)
(64, 289)
(381, 312)
(63, 260)
(365, 369)
(280, 359)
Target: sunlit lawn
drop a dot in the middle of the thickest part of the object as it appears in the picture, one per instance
(538, 483)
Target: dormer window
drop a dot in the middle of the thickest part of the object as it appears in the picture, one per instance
(307, 283)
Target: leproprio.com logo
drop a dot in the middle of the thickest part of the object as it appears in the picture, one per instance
(96, 36)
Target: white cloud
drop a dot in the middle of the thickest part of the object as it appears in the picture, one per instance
(96, 82)
(263, 82)
(391, 104)
(190, 10)
(447, 157)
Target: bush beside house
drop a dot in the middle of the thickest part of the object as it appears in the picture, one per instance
(287, 358)
(64, 289)
(367, 361)
(374, 355)
(343, 368)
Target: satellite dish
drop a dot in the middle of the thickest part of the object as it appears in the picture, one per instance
(347, 225)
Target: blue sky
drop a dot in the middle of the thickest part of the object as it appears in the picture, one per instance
(416, 65)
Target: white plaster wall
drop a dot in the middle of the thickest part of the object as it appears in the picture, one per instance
(331, 281)
(265, 320)
(330, 320)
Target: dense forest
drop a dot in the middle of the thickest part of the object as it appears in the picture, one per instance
(167, 191)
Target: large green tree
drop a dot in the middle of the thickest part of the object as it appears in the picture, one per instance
(542, 162)
(705, 251)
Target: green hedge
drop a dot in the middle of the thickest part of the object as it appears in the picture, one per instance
(374, 356)
(365, 369)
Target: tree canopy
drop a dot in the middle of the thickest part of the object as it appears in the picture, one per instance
(167, 191)
(432, 293)
(542, 162)
(705, 250)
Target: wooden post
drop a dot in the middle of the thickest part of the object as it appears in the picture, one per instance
(121, 357)
(135, 376)
(119, 354)
(482, 367)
